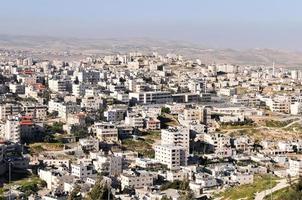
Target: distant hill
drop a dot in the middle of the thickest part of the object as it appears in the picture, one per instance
(108, 46)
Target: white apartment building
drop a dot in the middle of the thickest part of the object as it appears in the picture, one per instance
(106, 132)
(296, 108)
(197, 86)
(227, 68)
(243, 179)
(16, 88)
(133, 119)
(82, 171)
(110, 164)
(171, 155)
(9, 109)
(123, 97)
(92, 92)
(279, 104)
(115, 114)
(63, 109)
(91, 103)
(78, 90)
(178, 136)
(174, 148)
(295, 167)
(58, 85)
(231, 118)
(190, 115)
(10, 130)
(137, 179)
(52, 179)
(227, 92)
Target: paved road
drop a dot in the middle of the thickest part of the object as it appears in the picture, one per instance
(282, 184)
(296, 121)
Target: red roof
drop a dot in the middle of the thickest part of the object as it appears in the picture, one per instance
(26, 123)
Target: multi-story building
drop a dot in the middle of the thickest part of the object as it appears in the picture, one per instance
(134, 119)
(153, 97)
(58, 85)
(82, 170)
(171, 155)
(227, 91)
(78, 90)
(9, 109)
(11, 129)
(152, 124)
(185, 98)
(105, 132)
(115, 114)
(91, 103)
(37, 111)
(90, 76)
(137, 179)
(53, 179)
(17, 88)
(178, 136)
(63, 109)
(197, 86)
(111, 164)
(295, 167)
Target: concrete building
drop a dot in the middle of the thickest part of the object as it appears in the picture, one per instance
(91, 103)
(82, 171)
(11, 129)
(134, 119)
(9, 109)
(137, 179)
(111, 164)
(155, 97)
(106, 132)
(295, 167)
(63, 109)
(60, 86)
(78, 90)
(115, 114)
(171, 155)
(178, 136)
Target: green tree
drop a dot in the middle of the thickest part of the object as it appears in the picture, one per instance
(79, 131)
(53, 114)
(165, 110)
(166, 198)
(99, 191)
(75, 193)
(184, 185)
(57, 127)
(187, 195)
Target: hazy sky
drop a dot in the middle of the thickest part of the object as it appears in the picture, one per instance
(214, 23)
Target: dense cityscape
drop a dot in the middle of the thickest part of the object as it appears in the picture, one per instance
(150, 100)
(147, 126)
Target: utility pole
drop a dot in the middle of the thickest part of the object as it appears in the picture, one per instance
(270, 182)
(109, 191)
(9, 179)
(270, 179)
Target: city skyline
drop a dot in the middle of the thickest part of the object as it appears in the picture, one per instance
(231, 24)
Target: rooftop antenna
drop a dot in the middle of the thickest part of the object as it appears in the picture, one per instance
(274, 68)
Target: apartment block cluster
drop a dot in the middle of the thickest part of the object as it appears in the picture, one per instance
(104, 103)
